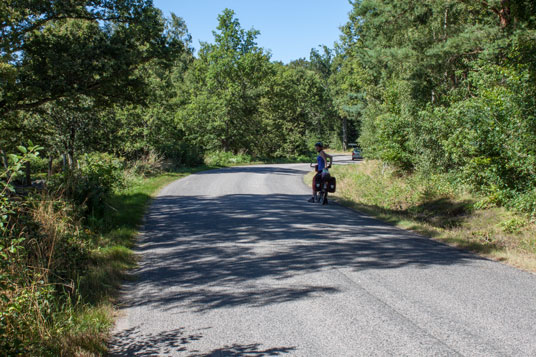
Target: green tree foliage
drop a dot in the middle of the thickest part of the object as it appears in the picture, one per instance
(224, 89)
(293, 111)
(238, 101)
(57, 49)
(445, 86)
(65, 64)
(151, 125)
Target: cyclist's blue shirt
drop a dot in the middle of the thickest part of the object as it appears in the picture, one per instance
(321, 163)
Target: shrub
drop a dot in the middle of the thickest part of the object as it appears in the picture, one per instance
(182, 154)
(149, 164)
(222, 158)
(91, 185)
(43, 251)
(39, 165)
(524, 202)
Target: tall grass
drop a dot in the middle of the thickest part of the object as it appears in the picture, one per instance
(39, 282)
(438, 208)
(60, 278)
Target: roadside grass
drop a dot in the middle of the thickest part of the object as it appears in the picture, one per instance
(433, 208)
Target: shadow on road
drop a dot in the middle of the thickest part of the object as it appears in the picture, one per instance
(251, 350)
(201, 249)
(133, 342)
(206, 253)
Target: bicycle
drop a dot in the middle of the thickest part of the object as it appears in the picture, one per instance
(323, 185)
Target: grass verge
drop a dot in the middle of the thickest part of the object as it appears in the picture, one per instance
(432, 207)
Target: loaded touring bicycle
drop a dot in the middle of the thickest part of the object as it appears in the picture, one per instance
(323, 184)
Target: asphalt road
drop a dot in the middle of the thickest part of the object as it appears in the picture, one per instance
(235, 262)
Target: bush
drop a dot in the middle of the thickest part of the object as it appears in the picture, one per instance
(43, 252)
(94, 182)
(182, 154)
(91, 185)
(524, 202)
(148, 165)
(222, 158)
(39, 165)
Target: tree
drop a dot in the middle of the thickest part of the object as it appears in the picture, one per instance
(57, 49)
(292, 110)
(151, 125)
(67, 64)
(225, 86)
(446, 87)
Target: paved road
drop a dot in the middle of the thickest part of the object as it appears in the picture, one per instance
(237, 263)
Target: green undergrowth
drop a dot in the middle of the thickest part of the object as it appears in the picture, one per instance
(434, 207)
(61, 272)
(222, 159)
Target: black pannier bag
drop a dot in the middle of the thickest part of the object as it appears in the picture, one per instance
(332, 184)
(317, 181)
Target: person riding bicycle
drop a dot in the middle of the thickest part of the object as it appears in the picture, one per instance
(322, 168)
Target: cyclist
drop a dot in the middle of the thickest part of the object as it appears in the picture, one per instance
(322, 169)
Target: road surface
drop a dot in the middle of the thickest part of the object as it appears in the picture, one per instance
(235, 262)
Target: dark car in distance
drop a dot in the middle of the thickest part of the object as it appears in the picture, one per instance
(356, 154)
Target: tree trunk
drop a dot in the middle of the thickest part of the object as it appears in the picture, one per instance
(50, 166)
(70, 153)
(3, 157)
(504, 13)
(345, 134)
(70, 160)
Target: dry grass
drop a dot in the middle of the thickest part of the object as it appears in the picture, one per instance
(58, 297)
(433, 208)
(34, 313)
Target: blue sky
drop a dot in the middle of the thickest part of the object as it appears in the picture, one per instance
(288, 28)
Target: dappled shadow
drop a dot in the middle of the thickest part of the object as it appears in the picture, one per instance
(133, 342)
(441, 212)
(201, 300)
(206, 253)
(431, 218)
(251, 350)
